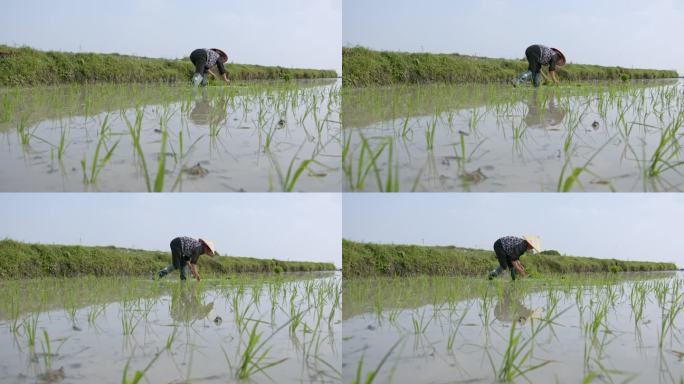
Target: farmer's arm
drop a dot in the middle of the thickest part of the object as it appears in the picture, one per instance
(194, 271)
(544, 76)
(223, 72)
(213, 74)
(519, 268)
(552, 69)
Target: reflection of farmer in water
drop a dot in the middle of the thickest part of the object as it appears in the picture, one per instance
(508, 250)
(544, 116)
(205, 112)
(509, 309)
(187, 307)
(204, 59)
(538, 56)
(185, 253)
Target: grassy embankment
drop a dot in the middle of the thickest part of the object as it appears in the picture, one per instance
(367, 259)
(28, 67)
(23, 260)
(364, 67)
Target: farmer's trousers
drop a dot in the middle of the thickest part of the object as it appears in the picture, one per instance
(533, 55)
(177, 261)
(199, 59)
(504, 260)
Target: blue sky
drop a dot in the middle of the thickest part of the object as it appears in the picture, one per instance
(629, 33)
(622, 226)
(281, 226)
(292, 33)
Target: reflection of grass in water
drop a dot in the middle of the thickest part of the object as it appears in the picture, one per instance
(619, 107)
(605, 292)
(7, 108)
(252, 355)
(265, 102)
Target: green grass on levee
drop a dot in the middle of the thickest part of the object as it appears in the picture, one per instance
(30, 67)
(368, 259)
(362, 67)
(24, 260)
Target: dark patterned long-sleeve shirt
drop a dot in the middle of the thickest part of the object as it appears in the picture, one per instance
(213, 59)
(191, 249)
(548, 57)
(513, 246)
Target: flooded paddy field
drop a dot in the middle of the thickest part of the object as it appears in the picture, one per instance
(575, 137)
(584, 328)
(251, 137)
(254, 328)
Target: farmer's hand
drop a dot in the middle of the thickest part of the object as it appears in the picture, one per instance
(193, 270)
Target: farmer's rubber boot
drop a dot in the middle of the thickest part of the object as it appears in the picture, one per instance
(495, 272)
(160, 274)
(535, 80)
(197, 79)
(204, 81)
(513, 273)
(521, 77)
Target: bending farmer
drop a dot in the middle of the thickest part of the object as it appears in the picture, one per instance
(185, 252)
(204, 59)
(508, 251)
(537, 56)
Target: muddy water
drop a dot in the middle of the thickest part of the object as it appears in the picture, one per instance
(448, 330)
(89, 343)
(245, 137)
(496, 138)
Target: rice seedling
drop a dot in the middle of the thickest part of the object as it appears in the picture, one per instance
(309, 114)
(171, 338)
(669, 313)
(666, 155)
(419, 324)
(584, 115)
(565, 184)
(98, 164)
(370, 376)
(453, 332)
(254, 358)
(430, 134)
(24, 130)
(47, 351)
(525, 353)
(140, 374)
(30, 328)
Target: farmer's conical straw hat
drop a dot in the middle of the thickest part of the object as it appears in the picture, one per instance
(533, 241)
(209, 244)
(562, 56)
